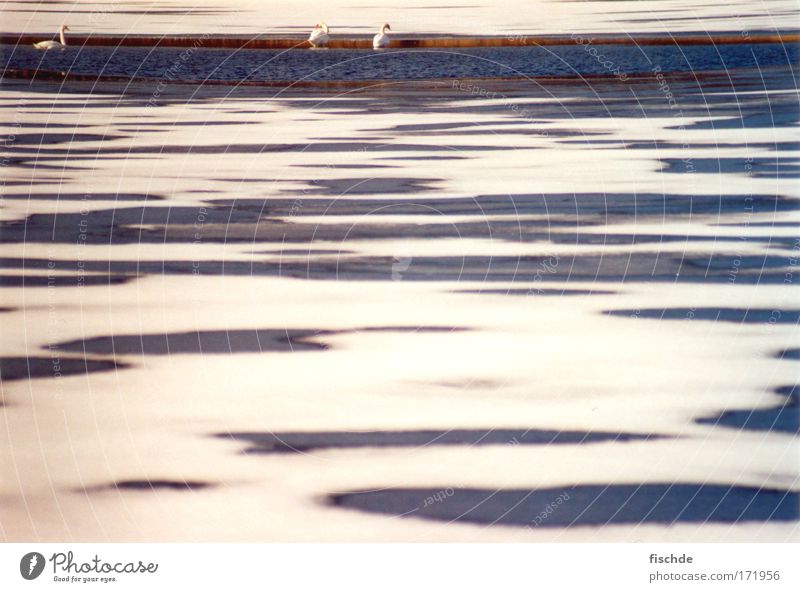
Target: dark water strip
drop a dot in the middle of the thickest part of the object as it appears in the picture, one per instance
(204, 64)
(268, 442)
(582, 505)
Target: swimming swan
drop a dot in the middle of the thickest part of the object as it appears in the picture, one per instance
(382, 40)
(319, 36)
(54, 44)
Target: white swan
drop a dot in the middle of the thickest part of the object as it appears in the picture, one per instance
(382, 40)
(54, 44)
(319, 36)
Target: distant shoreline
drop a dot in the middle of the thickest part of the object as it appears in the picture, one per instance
(406, 42)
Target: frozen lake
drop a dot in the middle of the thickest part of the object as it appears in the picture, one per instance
(455, 17)
(453, 310)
